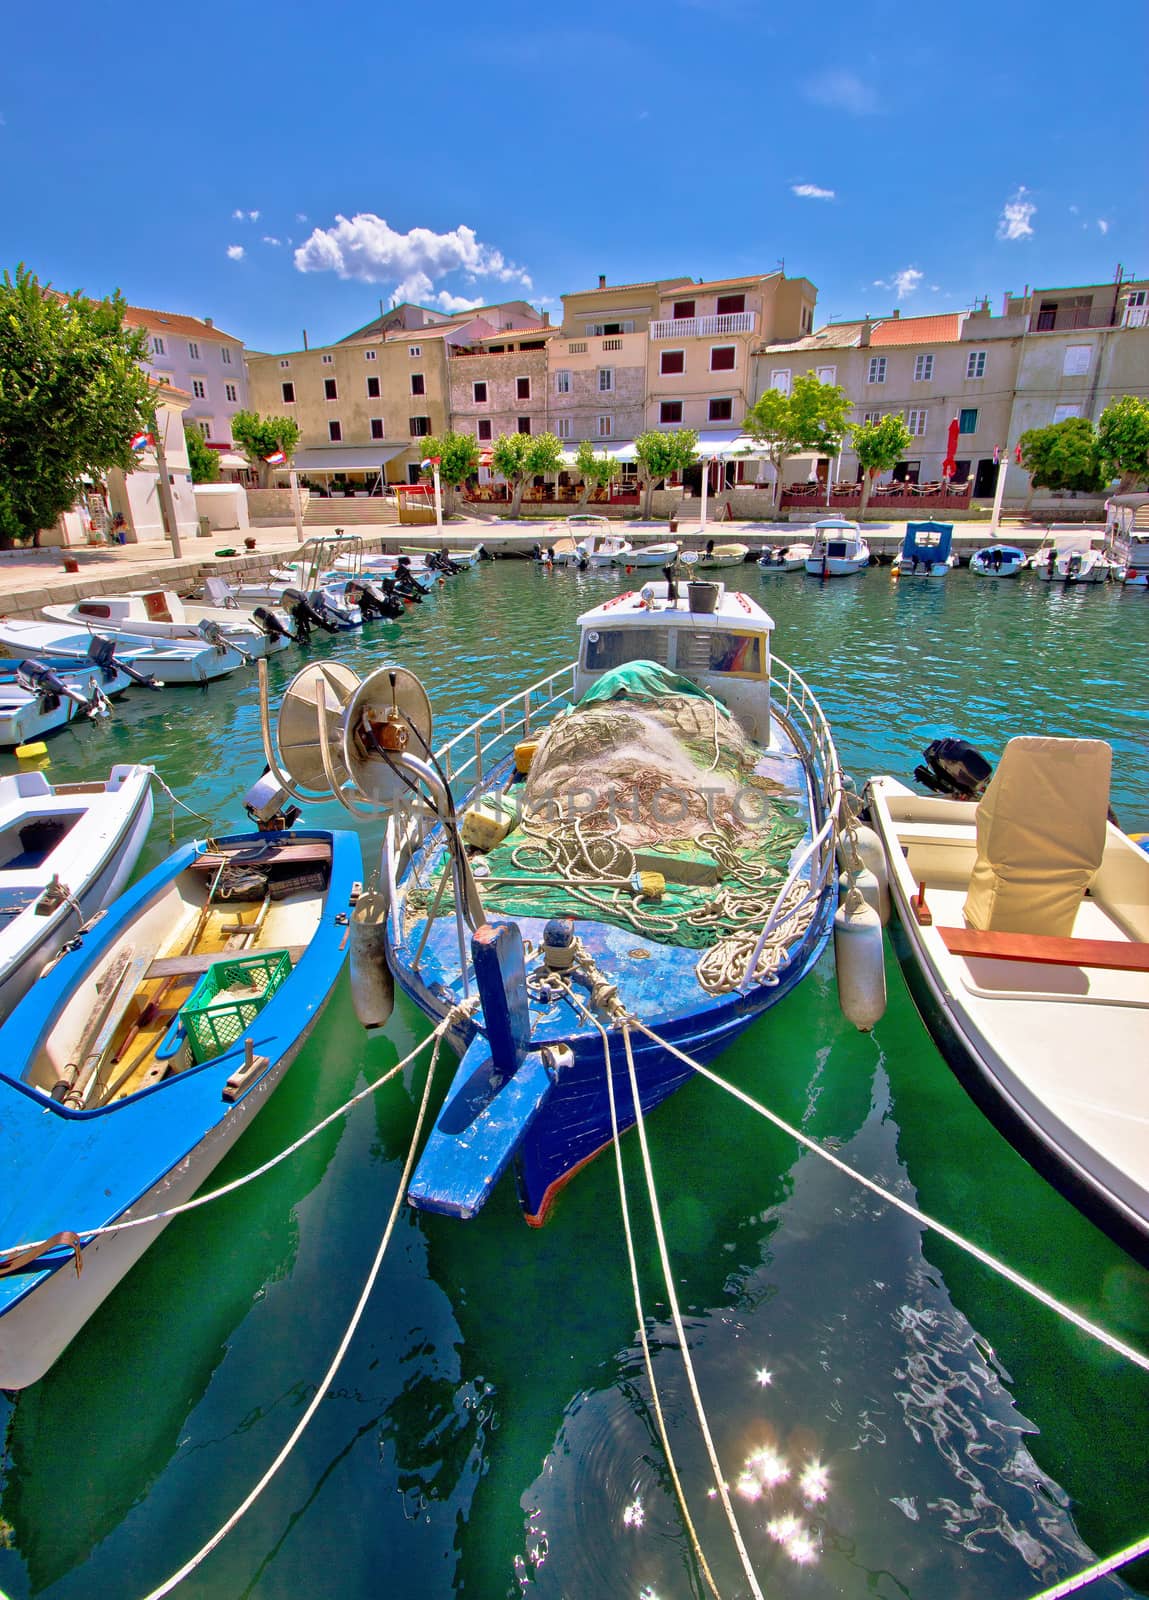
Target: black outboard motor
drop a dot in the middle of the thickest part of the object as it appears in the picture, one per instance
(337, 616)
(214, 634)
(405, 583)
(304, 615)
(102, 653)
(536, 552)
(50, 689)
(671, 583)
(954, 768)
(269, 624)
(373, 603)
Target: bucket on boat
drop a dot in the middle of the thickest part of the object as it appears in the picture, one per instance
(703, 597)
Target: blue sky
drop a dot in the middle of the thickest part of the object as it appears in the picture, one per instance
(897, 156)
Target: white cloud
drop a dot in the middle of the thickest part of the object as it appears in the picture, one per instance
(1016, 214)
(367, 248)
(447, 301)
(1073, 210)
(238, 216)
(245, 216)
(841, 91)
(811, 191)
(269, 238)
(1102, 225)
(301, 216)
(903, 283)
(235, 252)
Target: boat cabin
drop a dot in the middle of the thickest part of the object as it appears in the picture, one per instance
(835, 539)
(724, 650)
(145, 605)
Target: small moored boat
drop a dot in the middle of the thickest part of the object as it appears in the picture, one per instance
(927, 551)
(721, 555)
(785, 558)
(997, 561)
(163, 614)
(1074, 566)
(39, 696)
(1024, 922)
(140, 1059)
(839, 549)
(646, 555)
(66, 849)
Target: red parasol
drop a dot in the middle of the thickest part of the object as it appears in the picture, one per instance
(949, 465)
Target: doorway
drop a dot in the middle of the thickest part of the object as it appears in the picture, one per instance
(985, 483)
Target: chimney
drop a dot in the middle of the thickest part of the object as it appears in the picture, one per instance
(1005, 299)
(864, 335)
(207, 322)
(602, 280)
(546, 319)
(305, 338)
(895, 314)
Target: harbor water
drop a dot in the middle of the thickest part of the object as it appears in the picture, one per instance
(893, 1419)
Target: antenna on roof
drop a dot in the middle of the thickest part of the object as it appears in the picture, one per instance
(782, 265)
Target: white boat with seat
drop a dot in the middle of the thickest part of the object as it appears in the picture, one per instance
(1075, 566)
(839, 549)
(166, 660)
(786, 558)
(722, 555)
(1026, 933)
(163, 614)
(66, 849)
(646, 555)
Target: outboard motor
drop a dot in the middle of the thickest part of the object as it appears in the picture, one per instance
(373, 603)
(304, 615)
(102, 653)
(671, 583)
(214, 634)
(269, 624)
(954, 768)
(536, 552)
(405, 583)
(50, 689)
(337, 617)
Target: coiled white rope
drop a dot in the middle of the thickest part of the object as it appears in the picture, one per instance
(325, 1383)
(1019, 1281)
(460, 1012)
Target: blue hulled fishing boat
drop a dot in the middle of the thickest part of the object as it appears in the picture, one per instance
(648, 833)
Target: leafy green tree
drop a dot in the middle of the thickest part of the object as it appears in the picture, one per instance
(519, 456)
(458, 460)
(1064, 455)
(72, 394)
(203, 460)
(659, 454)
(813, 416)
(1123, 437)
(598, 472)
(879, 446)
(259, 437)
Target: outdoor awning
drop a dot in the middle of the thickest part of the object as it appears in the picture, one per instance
(715, 446)
(346, 457)
(230, 462)
(616, 450)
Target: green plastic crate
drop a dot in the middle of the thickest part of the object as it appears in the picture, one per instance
(214, 1025)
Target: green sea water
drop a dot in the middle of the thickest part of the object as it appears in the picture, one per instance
(490, 1433)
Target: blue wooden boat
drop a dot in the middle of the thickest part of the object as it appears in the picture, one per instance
(135, 1065)
(557, 926)
(927, 551)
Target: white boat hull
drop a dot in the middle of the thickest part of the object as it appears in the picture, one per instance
(834, 567)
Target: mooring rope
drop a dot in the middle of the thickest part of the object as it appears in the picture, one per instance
(321, 1391)
(640, 1314)
(1099, 1569)
(458, 1013)
(1019, 1281)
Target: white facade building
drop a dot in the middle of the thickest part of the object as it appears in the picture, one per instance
(191, 354)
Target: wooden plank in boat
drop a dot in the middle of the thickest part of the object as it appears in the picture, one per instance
(265, 855)
(1113, 954)
(194, 966)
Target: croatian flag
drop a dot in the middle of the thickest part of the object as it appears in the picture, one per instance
(431, 461)
(275, 459)
(140, 441)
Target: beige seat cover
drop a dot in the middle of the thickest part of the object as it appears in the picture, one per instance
(1040, 836)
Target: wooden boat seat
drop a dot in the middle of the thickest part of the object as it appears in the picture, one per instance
(293, 853)
(1115, 954)
(194, 966)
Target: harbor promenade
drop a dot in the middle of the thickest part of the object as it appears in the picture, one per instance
(31, 579)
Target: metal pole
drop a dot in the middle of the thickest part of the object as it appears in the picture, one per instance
(167, 498)
(999, 492)
(705, 487)
(438, 500)
(296, 503)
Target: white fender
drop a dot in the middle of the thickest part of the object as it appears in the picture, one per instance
(867, 886)
(372, 985)
(873, 855)
(860, 960)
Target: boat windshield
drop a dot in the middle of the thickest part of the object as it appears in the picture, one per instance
(614, 647)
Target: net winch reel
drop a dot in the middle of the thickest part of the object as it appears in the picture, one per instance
(367, 743)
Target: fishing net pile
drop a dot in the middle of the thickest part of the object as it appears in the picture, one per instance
(648, 778)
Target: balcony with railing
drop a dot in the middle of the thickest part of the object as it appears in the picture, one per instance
(704, 327)
(1065, 318)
